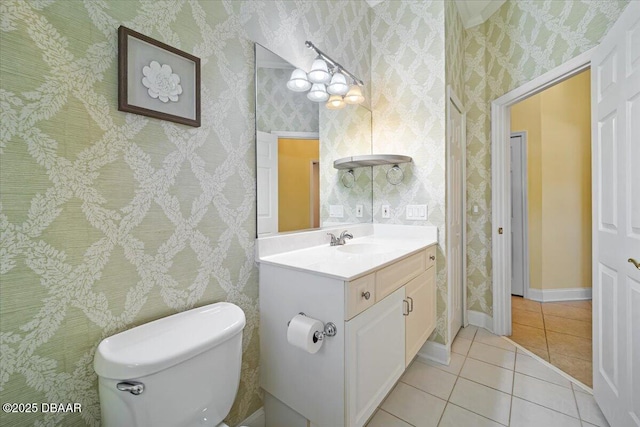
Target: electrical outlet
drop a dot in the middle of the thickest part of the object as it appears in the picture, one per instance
(336, 211)
(386, 211)
(359, 211)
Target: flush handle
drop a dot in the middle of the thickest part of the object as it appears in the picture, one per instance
(133, 387)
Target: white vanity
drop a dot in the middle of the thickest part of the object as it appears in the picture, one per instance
(379, 289)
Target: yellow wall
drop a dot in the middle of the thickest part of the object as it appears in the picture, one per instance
(558, 128)
(294, 181)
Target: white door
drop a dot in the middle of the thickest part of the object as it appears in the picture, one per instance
(615, 99)
(267, 183)
(518, 152)
(455, 214)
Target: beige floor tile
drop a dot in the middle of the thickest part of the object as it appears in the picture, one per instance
(528, 336)
(534, 368)
(385, 419)
(454, 367)
(544, 393)
(487, 374)
(468, 333)
(569, 345)
(482, 400)
(519, 303)
(414, 406)
(578, 389)
(461, 346)
(486, 337)
(527, 318)
(455, 416)
(527, 414)
(590, 411)
(542, 353)
(582, 370)
(578, 328)
(429, 379)
(563, 310)
(494, 355)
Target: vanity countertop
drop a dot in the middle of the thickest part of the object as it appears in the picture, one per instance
(359, 256)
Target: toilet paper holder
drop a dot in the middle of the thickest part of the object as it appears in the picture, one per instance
(330, 329)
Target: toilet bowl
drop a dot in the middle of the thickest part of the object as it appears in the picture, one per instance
(181, 370)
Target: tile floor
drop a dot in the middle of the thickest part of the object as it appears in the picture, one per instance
(488, 383)
(558, 332)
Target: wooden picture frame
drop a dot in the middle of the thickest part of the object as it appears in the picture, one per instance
(157, 80)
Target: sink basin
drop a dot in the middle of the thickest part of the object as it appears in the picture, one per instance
(364, 248)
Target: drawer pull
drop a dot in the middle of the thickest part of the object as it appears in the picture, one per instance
(410, 304)
(432, 257)
(405, 304)
(366, 295)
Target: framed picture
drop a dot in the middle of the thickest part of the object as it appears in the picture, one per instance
(157, 80)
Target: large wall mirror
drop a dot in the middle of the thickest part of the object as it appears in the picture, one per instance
(296, 143)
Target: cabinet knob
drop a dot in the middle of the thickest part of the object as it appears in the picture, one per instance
(366, 295)
(432, 257)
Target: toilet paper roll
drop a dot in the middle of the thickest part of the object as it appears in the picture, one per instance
(300, 333)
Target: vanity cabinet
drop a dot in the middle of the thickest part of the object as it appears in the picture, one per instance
(382, 317)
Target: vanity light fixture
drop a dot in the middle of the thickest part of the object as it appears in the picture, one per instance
(326, 71)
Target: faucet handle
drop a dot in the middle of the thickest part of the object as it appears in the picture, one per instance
(346, 235)
(334, 239)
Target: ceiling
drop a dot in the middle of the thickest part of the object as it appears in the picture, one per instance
(472, 12)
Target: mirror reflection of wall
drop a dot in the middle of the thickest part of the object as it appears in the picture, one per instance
(297, 142)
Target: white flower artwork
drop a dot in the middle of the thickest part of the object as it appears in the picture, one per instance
(161, 82)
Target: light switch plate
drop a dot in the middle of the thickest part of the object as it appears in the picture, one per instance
(336, 211)
(386, 211)
(417, 212)
(359, 211)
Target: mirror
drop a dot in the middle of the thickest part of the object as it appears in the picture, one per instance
(296, 143)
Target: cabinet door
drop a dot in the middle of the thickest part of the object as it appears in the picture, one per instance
(374, 355)
(421, 321)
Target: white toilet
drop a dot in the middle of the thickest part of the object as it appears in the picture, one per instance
(182, 370)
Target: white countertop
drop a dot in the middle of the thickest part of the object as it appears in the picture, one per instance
(385, 244)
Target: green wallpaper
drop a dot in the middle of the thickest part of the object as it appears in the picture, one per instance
(109, 220)
(521, 41)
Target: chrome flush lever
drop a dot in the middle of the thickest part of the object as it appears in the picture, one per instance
(133, 387)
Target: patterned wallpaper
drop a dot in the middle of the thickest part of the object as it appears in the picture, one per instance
(109, 220)
(521, 41)
(280, 109)
(408, 75)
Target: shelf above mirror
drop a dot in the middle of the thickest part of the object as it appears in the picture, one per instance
(370, 160)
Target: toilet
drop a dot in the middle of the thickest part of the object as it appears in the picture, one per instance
(182, 370)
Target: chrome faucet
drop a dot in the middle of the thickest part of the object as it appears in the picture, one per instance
(339, 241)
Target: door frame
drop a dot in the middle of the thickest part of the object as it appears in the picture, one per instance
(451, 97)
(525, 212)
(501, 182)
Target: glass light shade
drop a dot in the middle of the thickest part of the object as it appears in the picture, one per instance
(338, 85)
(354, 96)
(319, 72)
(298, 81)
(318, 93)
(335, 102)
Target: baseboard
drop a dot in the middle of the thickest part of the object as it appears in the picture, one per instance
(435, 352)
(255, 420)
(480, 319)
(549, 295)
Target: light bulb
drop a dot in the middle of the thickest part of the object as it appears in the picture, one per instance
(319, 72)
(354, 96)
(318, 93)
(298, 81)
(335, 102)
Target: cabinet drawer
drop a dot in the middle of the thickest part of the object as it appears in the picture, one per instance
(431, 256)
(361, 294)
(392, 277)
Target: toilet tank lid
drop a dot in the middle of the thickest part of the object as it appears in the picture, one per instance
(157, 345)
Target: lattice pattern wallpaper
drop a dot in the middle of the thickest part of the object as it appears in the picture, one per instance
(521, 41)
(109, 220)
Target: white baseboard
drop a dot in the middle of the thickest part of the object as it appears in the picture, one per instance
(256, 419)
(480, 319)
(549, 295)
(435, 352)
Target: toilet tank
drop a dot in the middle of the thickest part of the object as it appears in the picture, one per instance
(188, 363)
